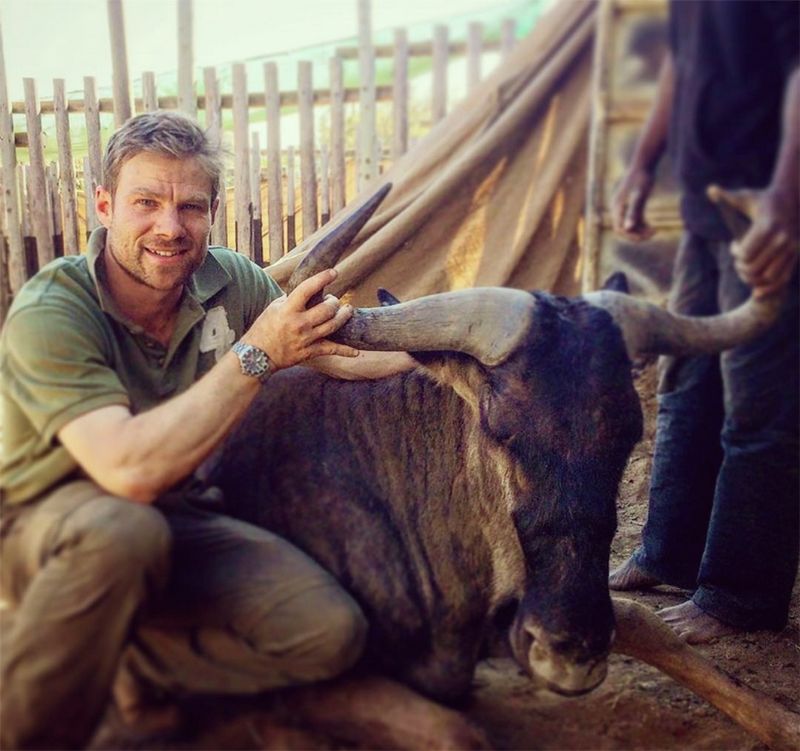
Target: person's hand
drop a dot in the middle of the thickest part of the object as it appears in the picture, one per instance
(291, 334)
(765, 258)
(628, 203)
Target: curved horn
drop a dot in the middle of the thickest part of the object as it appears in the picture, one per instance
(651, 330)
(329, 249)
(486, 323)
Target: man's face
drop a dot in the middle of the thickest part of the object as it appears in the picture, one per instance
(158, 219)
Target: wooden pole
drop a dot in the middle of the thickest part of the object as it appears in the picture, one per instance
(119, 62)
(367, 169)
(324, 187)
(440, 59)
(219, 230)
(291, 230)
(308, 170)
(37, 186)
(241, 164)
(400, 99)
(338, 175)
(67, 172)
(272, 98)
(55, 221)
(23, 181)
(89, 180)
(474, 51)
(255, 198)
(508, 36)
(187, 98)
(11, 221)
(149, 94)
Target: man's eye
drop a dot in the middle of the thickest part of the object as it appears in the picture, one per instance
(193, 207)
(145, 202)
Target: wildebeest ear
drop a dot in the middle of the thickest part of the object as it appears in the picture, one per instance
(386, 298)
(617, 282)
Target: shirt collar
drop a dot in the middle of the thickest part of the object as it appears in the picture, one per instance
(206, 281)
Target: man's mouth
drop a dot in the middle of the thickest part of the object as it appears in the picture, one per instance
(165, 252)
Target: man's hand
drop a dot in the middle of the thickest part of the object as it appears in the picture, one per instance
(291, 334)
(765, 258)
(628, 203)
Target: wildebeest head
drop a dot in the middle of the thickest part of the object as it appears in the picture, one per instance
(550, 381)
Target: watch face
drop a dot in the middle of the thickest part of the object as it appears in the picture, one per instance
(254, 361)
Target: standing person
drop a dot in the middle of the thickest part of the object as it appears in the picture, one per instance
(119, 376)
(723, 515)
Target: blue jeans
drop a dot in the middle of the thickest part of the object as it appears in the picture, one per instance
(724, 515)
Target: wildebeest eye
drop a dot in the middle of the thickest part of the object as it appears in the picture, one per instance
(501, 415)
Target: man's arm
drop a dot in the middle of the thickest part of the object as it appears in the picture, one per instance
(141, 456)
(630, 197)
(767, 255)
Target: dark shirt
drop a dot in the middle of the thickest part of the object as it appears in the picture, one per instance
(732, 61)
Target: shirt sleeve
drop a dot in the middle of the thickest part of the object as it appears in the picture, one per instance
(55, 369)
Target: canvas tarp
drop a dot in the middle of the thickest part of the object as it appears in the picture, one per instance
(494, 194)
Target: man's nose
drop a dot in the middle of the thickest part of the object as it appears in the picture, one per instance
(168, 222)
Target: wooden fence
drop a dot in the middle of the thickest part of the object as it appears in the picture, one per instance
(47, 209)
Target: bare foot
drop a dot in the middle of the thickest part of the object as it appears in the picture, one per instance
(630, 576)
(693, 624)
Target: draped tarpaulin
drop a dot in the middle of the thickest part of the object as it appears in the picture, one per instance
(494, 194)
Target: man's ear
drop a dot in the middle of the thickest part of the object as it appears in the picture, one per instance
(102, 206)
(214, 207)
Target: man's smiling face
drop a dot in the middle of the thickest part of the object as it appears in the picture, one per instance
(158, 219)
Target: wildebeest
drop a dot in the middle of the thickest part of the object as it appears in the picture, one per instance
(477, 490)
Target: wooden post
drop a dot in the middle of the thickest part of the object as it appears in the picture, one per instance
(55, 221)
(67, 171)
(241, 164)
(338, 176)
(367, 169)
(5, 289)
(440, 60)
(291, 229)
(149, 94)
(324, 187)
(11, 220)
(400, 94)
(474, 50)
(255, 193)
(308, 171)
(187, 98)
(119, 62)
(219, 230)
(272, 100)
(89, 180)
(23, 181)
(92, 176)
(508, 36)
(37, 187)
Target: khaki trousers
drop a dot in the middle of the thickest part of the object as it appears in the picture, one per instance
(194, 601)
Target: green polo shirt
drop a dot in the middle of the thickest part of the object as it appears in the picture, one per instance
(66, 350)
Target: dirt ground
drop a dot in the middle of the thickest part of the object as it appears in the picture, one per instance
(637, 707)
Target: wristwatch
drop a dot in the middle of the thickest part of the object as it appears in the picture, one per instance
(253, 361)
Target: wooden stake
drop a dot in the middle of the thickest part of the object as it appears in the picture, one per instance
(308, 171)
(291, 240)
(187, 98)
(69, 199)
(474, 51)
(119, 62)
(55, 221)
(508, 36)
(440, 60)
(11, 220)
(324, 187)
(272, 97)
(367, 169)
(400, 100)
(149, 95)
(241, 164)
(213, 114)
(37, 186)
(255, 198)
(338, 175)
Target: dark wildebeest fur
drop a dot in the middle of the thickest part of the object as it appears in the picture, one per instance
(442, 497)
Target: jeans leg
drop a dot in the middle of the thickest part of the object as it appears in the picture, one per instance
(78, 565)
(687, 452)
(751, 554)
(246, 612)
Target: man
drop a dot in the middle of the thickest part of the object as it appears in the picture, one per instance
(724, 522)
(118, 379)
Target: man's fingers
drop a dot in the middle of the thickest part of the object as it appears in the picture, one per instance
(299, 297)
(324, 347)
(326, 328)
(324, 311)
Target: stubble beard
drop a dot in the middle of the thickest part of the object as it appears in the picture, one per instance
(133, 264)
